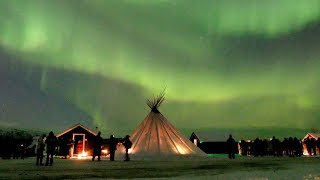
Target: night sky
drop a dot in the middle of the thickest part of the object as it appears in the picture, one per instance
(224, 63)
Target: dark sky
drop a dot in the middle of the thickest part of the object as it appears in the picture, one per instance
(225, 63)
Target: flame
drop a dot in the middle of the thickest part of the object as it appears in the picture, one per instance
(105, 151)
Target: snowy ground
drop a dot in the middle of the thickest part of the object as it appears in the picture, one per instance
(211, 168)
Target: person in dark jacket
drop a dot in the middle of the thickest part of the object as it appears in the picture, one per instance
(97, 146)
(318, 143)
(274, 144)
(308, 144)
(113, 147)
(63, 148)
(127, 144)
(51, 142)
(314, 146)
(231, 145)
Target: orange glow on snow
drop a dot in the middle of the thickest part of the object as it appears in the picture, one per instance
(82, 155)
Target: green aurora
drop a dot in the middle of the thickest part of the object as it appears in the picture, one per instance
(225, 63)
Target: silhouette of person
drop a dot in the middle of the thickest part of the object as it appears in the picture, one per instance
(296, 146)
(285, 145)
(250, 147)
(70, 145)
(308, 144)
(63, 148)
(274, 145)
(113, 147)
(231, 146)
(318, 143)
(97, 146)
(127, 144)
(23, 148)
(244, 147)
(264, 147)
(314, 146)
(256, 145)
(51, 142)
(39, 150)
(290, 147)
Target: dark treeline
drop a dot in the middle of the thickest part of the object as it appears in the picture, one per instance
(14, 143)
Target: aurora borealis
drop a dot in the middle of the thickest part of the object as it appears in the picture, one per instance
(225, 63)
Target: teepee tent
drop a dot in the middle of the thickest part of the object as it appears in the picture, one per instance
(157, 137)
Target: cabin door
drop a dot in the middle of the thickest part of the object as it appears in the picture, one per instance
(195, 141)
(79, 144)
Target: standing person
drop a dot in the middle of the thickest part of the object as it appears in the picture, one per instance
(22, 150)
(63, 148)
(127, 144)
(97, 146)
(318, 144)
(51, 142)
(274, 145)
(296, 146)
(314, 146)
(231, 145)
(39, 150)
(290, 147)
(70, 145)
(308, 144)
(113, 147)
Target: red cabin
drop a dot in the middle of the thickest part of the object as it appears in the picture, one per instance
(76, 141)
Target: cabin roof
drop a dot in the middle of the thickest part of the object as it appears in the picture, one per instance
(75, 126)
(211, 136)
(314, 135)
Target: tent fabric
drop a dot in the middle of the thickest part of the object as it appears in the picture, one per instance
(157, 137)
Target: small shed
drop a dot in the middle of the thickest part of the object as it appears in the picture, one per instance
(76, 141)
(314, 136)
(210, 142)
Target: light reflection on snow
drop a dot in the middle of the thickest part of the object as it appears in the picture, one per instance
(82, 155)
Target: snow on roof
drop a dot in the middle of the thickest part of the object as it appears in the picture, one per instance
(313, 135)
(73, 127)
(211, 136)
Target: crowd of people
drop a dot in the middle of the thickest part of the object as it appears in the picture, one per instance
(291, 146)
(113, 144)
(14, 145)
(312, 145)
(50, 142)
